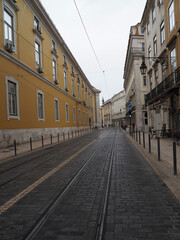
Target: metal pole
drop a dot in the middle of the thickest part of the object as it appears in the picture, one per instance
(72, 134)
(58, 137)
(158, 145)
(136, 136)
(144, 140)
(139, 137)
(15, 149)
(30, 143)
(51, 138)
(149, 143)
(174, 158)
(68, 135)
(42, 141)
(63, 136)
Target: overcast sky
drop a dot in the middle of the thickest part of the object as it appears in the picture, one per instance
(108, 24)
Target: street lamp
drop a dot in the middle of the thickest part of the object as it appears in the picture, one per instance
(143, 66)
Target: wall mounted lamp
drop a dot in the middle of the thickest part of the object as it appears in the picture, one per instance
(143, 67)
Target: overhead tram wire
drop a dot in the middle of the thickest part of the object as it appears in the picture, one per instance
(91, 45)
(88, 37)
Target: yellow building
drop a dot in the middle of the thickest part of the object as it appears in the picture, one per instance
(43, 90)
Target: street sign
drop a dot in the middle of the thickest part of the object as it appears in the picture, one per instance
(129, 105)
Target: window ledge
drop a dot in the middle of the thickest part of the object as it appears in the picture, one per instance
(38, 34)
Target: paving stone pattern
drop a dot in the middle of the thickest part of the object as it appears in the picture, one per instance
(140, 206)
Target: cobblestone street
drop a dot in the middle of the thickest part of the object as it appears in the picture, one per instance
(97, 186)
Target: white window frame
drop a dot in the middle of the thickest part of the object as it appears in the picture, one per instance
(73, 92)
(162, 32)
(57, 119)
(67, 112)
(83, 117)
(37, 40)
(11, 11)
(74, 114)
(149, 53)
(79, 115)
(155, 44)
(153, 13)
(54, 59)
(171, 16)
(173, 59)
(78, 89)
(39, 118)
(65, 79)
(148, 26)
(11, 79)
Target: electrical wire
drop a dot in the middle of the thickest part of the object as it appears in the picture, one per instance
(88, 36)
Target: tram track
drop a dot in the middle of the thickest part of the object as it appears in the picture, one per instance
(42, 163)
(39, 223)
(98, 232)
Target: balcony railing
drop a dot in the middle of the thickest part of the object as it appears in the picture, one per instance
(137, 50)
(172, 81)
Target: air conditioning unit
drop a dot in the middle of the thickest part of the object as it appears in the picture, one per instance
(56, 81)
(40, 70)
(9, 47)
(39, 29)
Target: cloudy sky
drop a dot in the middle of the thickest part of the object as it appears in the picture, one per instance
(108, 24)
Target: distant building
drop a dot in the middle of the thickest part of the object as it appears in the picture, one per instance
(43, 89)
(107, 114)
(118, 108)
(135, 84)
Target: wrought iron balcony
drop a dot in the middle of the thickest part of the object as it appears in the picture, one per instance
(162, 89)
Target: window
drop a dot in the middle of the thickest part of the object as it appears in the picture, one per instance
(87, 117)
(83, 94)
(156, 76)
(144, 80)
(173, 59)
(162, 32)
(54, 70)
(8, 27)
(153, 13)
(37, 54)
(78, 90)
(12, 98)
(164, 72)
(40, 99)
(36, 23)
(150, 82)
(143, 46)
(67, 112)
(74, 114)
(53, 45)
(56, 105)
(83, 117)
(79, 115)
(155, 44)
(171, 16)
(73, 87)
(149, 53)
(148, 27)
(142, 29)
(72, 70)
(65, 80)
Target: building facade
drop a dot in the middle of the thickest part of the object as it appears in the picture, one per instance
(43, 89)
(135, 84)
(118, 108)
(161, 21)
(107, 113)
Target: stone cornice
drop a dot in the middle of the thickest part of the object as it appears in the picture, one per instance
(38, 8)
(14, 60)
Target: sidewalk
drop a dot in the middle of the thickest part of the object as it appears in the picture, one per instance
(164, 168)
(9, 152)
